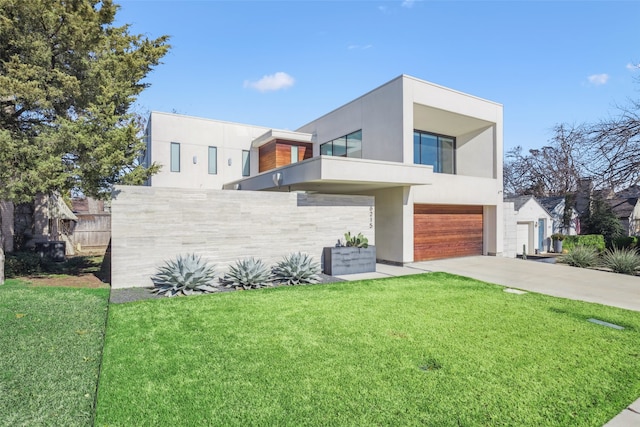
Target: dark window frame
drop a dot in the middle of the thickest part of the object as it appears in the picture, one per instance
(331, 149)
(437, 167)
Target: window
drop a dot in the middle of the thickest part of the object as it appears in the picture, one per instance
(295, 151)
(346, 146)
(213, 160)
(435, 150)
(175, 157)
(246, 167)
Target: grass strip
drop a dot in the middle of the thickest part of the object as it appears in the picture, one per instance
(50, 345)
(431, 349)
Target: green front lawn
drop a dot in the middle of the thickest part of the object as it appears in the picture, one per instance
(50, 351)
(431, 349)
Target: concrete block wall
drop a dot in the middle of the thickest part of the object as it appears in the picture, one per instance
(150, 225)
(510, 231)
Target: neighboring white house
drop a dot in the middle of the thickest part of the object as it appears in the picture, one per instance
(430, 156)
(555, 205)
(533, 225)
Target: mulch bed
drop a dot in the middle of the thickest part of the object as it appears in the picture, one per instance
(119, 296)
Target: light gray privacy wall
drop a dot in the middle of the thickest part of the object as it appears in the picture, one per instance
(150, 225)
(510, 249)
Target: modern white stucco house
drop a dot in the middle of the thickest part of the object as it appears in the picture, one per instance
(430, 156)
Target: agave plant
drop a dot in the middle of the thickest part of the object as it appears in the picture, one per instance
(625, 261)
(186, 275)
(246, 274)
(296, 269)
(581, 256)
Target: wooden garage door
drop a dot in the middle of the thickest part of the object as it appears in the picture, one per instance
(446, 231)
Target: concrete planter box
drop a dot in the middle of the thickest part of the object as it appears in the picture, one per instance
(349, 260)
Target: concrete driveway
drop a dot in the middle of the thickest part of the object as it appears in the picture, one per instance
(558, 280)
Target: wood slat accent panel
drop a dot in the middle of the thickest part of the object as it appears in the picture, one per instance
(278, 153)
(446, 231)
(267, 157)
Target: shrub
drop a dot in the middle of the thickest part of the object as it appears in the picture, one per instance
(247, 274)
(558, 236)
(185, 275)
(358, 241)
(595, 241)
(581, 256)
(625, 261)
(23, 264)
(600, 219)
(296, 269)
(629, 242)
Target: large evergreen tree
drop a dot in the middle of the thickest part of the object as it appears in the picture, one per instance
(68, 77)
(600, 219)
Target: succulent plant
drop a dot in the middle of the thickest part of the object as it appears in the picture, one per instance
(581, 256)
(296, 269)
(625, 261)
(247, 274)
(186, 275)
(358, 241)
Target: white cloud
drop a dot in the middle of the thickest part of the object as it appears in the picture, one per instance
(598, 79)
(633, 67)
(382, 9)
(277, 81)
(357, 46)
(408, 3)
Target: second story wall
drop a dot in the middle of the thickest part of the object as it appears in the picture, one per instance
(200, 166)
(378, 114)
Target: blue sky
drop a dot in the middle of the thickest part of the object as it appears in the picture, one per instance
(282, 64)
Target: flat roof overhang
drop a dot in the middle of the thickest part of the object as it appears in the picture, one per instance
(278, 134)
(336, 175)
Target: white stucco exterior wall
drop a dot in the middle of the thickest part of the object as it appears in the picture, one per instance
(379, 114)
(195, 135)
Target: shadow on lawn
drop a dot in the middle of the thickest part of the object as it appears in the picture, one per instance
(77, 271)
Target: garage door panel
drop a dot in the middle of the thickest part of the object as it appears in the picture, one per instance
(444, 231)
(447, 209)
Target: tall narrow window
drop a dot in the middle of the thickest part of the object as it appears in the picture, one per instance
(246, 167)
(175, 157)
(435, 150)
(213, 160)
(295, 151)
